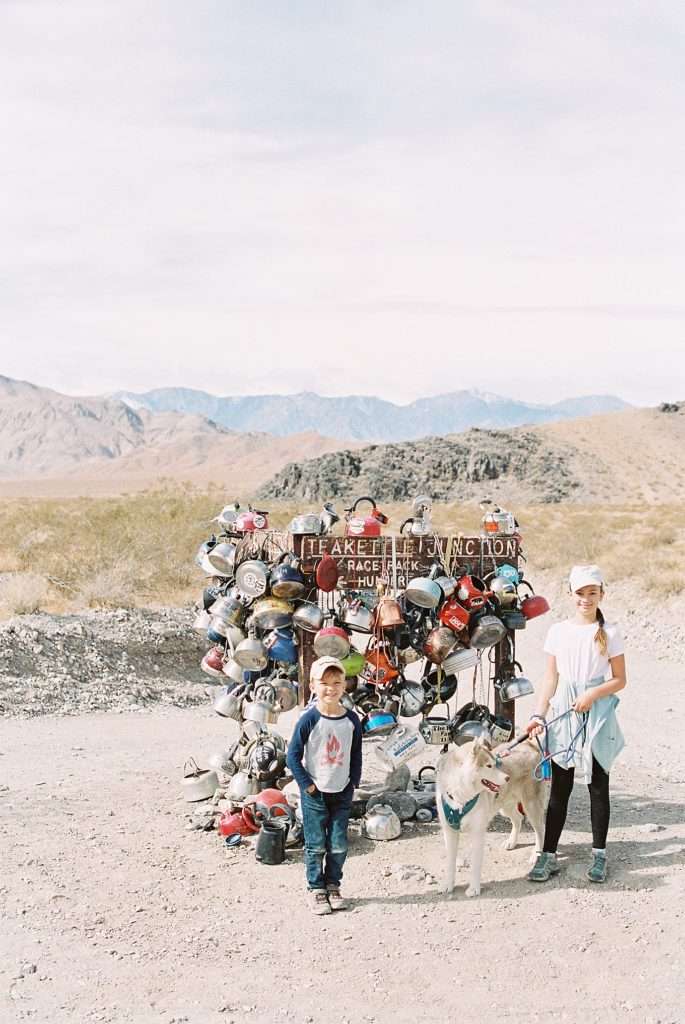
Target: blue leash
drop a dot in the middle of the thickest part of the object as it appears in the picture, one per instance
(543, 769)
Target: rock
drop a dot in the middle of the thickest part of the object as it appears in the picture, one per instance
(652, 827)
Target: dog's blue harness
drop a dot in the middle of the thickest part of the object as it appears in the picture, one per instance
(454, 815)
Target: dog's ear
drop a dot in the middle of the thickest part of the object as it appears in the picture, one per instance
(480, 752)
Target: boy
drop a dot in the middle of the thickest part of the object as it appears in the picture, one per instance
(325, 758)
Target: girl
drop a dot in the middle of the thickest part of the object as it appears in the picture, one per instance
(581, 653)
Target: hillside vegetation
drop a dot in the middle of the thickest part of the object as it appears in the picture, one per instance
(138, 550)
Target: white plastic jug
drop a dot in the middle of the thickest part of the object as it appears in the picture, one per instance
(401, 745)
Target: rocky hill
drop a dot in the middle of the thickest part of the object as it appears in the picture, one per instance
(629, 456)
(364, 417)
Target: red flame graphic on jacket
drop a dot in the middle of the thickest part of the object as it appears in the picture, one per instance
(333, 754)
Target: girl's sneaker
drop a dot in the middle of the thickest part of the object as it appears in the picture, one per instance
(597, 872)
(318, 901)
(543, 869)
(336, 901)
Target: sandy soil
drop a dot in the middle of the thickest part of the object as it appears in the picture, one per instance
(113, 911)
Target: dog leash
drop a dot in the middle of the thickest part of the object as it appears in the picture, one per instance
(543, 769)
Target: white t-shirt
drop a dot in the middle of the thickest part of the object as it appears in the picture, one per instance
(578, 656)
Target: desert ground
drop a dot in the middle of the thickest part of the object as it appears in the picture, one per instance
(114, 910)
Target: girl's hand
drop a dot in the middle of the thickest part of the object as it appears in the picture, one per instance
(584, 702)
(535, 726)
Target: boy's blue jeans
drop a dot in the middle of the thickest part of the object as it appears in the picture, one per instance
(324, 819)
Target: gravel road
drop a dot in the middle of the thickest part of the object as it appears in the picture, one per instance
(112, 910)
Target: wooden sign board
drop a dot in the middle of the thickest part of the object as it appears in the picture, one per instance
(363, 561)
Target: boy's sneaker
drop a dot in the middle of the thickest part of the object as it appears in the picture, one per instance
(318, 901)
(337, 902)
(597, 872)
(543, 869)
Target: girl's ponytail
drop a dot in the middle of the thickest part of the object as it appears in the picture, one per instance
(600, 637)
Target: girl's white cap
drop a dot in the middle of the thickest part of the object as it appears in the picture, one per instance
(585, 576)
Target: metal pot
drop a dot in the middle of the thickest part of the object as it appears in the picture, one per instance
(306, 525)
(232, 670)
(440, 642)
(471, 730)
(251, 654)
(353, 663)
(504, 590)
(388, 614)
(229, 701)
(332, 641)
(381, 823)
(286, 692)
(489, 631)
(447, 584)
(242, 784)
(308, 616)
(286, 579)
(222, 558)
(252, 577)
(460, 659)
(357, 616)
(201, 621)
(423, 592)
(198, 783)
(437, 729)
(213, 662)
(272, 612)
(412, 699)
(515, 687)
(281, 646)
(378, 723)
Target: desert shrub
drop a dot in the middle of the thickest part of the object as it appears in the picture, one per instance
(22, 593)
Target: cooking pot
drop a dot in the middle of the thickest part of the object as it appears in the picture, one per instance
(272, 612)
(308, 616)
(332, 641)
(513, 618)
(353, 663)
(327, 573)
(511, 686)
(213, 662)
(251, 654)
(307, 525)
(471, 730)
(437, 729)
(232, 670)
(280, 644)
(387, 614)
(504, 590)
(440, 642)
(198, 783)
(378, 723)
(497, 521)
(229, 701)
(438, 687)
(202, 621)
(381, 668)
(534, 604)
(454, 615)
(286, 579)
(222, 558)
(381, 823)
(412, 699)
(447, 584)
(423, 592)
(229, 610)
(460, 659)
(364, 526)
(510, 573)
(489, 630)
(357, 616)
(242, 784)
(403, 803)
(286, 692)
(251, 520)
(252, 577)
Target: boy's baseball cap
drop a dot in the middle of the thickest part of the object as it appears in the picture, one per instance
(585, 576)
(321, 664)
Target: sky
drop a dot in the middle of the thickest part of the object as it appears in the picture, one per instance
(375, 197)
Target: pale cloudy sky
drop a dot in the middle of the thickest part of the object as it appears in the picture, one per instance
(381, 197)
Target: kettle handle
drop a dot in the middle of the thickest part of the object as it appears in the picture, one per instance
(429, 768)
(365, 498)
(410, 519)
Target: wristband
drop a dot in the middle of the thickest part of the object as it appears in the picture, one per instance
(537, 718)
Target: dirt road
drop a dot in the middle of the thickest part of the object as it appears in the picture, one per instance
(113, 911)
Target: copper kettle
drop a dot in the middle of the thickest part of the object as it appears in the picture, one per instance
(387, 614)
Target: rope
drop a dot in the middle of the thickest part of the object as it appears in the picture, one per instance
(543, 769)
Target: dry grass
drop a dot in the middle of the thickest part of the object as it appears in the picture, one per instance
(63, 555)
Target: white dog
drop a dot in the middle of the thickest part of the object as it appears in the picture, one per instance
(473, 784)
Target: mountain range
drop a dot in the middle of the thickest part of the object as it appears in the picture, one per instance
(364, 418)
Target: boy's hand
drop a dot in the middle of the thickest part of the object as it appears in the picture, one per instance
(311, 789)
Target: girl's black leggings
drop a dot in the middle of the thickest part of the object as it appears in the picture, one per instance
(562, 784)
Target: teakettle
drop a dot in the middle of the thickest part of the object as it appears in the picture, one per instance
(253, 519)
(364, 526)
(381, 823)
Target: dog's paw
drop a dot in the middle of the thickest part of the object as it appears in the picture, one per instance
(472, 890)
(447, 889)
(510, 843)
(462, 862)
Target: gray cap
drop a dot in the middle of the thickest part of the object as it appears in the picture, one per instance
(320, 666)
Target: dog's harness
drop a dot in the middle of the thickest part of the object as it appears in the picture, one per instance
(454, 815)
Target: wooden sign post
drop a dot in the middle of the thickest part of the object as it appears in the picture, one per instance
(364, 561)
